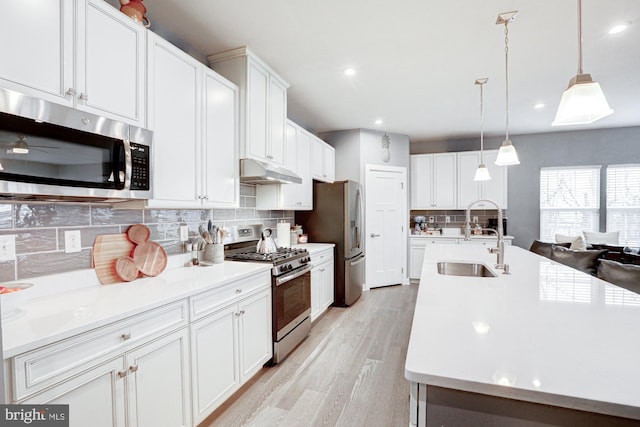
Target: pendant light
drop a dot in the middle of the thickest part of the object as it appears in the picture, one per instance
(507, 154)
(482, 173)
(583, 102)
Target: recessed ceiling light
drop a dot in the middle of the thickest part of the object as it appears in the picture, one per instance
(617, 29)
(539, 106)
(349, 71)
(378, 122)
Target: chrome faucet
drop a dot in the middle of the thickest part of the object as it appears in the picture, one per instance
(500, 248)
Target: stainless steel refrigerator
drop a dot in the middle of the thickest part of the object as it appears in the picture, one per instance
(337, 217)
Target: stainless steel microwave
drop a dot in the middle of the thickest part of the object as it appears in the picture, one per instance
(50, 152)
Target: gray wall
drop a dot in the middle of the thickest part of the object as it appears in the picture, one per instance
(358, 147)
(572, 148)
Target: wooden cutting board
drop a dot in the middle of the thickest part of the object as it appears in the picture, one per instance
(107, 249)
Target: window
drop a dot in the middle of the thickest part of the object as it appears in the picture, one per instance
(623, 202)
(569, 201)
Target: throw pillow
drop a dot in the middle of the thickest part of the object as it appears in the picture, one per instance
(577, 242)
(610, 238)
(544, 248)
(623, 275)
(585, 261)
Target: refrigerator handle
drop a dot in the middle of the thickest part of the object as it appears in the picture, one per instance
(357, 261)
(358, 218)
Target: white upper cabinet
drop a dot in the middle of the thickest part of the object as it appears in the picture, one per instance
(263, 103)
(433, 181)
(323, 160)
(297, 159)
(470, 190)
(220, 165)
(93, 56)
(194, 117)
(175, 84)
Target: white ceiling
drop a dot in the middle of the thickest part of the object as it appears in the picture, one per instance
(416, 60)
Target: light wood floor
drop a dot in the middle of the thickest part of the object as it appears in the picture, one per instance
(349, 372)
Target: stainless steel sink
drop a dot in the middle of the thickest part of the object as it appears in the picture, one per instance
(469, 269)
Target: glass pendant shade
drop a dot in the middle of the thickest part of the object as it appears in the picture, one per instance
(582, 103)
(482, 173)
(507, 154)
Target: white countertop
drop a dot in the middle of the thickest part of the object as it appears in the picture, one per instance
(314, 247)
(555, 335)
(56, 316)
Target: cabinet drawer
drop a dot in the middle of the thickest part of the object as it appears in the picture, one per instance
(45, 366)
(321, 256)
(211, 300)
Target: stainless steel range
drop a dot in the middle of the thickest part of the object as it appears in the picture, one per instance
(291, 287)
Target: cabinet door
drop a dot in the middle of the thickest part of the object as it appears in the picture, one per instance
(111, 63)
(305, 190)
(317, 158)
(95, 397)
(329, 157)
(468, 189)
(496, 188)
(158, 382)
(316, 292)
(257, 105)
(289, 193)
(277, 121)
(174, 83)
(37, 48)
(421, 181)
(220, 143)
(444, 181)
(214, 352)
(256, 345)
(416, 258)
(327, 296)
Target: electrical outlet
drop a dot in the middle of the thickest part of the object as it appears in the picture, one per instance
(72, 241)
(447, 219)
(432, 219)
(475, 219)
(184, 233)
(7, 247)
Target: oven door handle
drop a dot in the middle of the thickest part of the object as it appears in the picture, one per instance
(284, 279)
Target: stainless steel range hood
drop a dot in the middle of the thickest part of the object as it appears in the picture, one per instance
(258, 172)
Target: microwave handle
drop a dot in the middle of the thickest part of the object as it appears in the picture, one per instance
(125, 146)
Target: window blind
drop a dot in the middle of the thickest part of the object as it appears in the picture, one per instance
(623, 202)
(569, 201)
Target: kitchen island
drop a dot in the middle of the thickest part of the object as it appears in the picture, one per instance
(544, 345)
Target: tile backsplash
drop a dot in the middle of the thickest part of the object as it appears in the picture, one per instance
(39, 230)
(456, 217)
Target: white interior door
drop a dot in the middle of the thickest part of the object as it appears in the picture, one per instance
(386, 248)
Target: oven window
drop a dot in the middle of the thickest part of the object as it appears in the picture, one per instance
(291, 299)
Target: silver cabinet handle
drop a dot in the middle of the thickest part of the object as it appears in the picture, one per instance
(71, 92)
(238, 291)
(85, 121)
(83, 97)
(375, 235)
(126, 336)
(133, 368)
(122, 374)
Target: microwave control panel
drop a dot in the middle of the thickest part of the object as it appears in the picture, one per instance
(140, 171)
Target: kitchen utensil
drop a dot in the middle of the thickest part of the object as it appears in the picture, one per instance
(127, 269)
(266, 245)
(150, 258)
(107, 249)
(205, 234)
(138, 233)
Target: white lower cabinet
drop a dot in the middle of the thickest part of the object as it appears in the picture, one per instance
(229, 346)
(147, 386)
(417, 248)
(322, 278)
